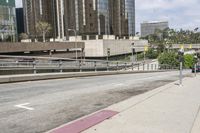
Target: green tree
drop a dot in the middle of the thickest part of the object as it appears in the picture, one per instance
(43, 28)
(152, 54)
(168, 58)
(23, 36)
(189, 60)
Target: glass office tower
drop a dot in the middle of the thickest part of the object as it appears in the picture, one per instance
(130, 15)
(87, 17)
(103, 17)
(7, 21)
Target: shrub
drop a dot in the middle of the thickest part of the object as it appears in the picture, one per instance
(152, 54)
(169, 59)
(189, 60)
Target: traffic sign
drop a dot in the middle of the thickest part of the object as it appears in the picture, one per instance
(190, 46)
(146, 48)
(182, 46)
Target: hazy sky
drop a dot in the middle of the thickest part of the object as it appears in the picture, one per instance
(180, 13)
(18, 3)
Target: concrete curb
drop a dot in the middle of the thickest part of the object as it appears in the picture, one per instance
(34, 77)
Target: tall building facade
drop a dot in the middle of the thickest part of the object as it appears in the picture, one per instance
(87, 17)
(20, 20)
(35, 11)
(148, 28)
(7, 20)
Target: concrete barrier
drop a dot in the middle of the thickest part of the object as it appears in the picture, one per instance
(34, 77)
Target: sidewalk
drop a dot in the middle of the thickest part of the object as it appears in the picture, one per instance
(168, 109)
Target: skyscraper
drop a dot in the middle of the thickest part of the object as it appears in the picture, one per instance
(35, 11)
(7, 20)
(148, 28)
(20, 20)
(87, 17)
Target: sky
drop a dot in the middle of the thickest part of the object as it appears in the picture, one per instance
(180, 13)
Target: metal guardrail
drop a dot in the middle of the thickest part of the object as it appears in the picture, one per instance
(35, 64)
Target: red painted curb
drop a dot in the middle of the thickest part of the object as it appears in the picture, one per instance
(85, 123)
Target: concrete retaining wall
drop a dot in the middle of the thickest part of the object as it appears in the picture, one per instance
(33, 77)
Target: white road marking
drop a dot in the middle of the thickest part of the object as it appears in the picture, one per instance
(119, 84)
(23, 106)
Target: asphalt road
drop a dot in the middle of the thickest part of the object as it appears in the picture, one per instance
(39, 106)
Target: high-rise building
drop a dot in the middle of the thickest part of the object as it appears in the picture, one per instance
(20, 20)
(35, 11)
(87, 17)
(7, 20)
(148, 28)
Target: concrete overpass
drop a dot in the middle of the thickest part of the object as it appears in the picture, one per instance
(48, 49)
(174, 46)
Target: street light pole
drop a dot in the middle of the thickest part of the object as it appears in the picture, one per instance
(195, 31)
(181, 58)
(75, 33)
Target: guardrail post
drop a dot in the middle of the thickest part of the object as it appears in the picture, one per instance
(17, 63)
(60, 66)
(143, 66)
(132, 66)
(117, 66)
(80, 66)
(107, 66)
(125, 66)
(95, 66)
(34, 67)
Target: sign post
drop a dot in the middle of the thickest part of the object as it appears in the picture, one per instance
(108, 53)
(181, 60)
(133, 50)
(195, 65)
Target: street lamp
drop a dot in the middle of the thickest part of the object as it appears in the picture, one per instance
(75, 33)
(195, 30)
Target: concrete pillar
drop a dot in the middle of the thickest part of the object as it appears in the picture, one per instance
(87, 37)
(97, 37)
